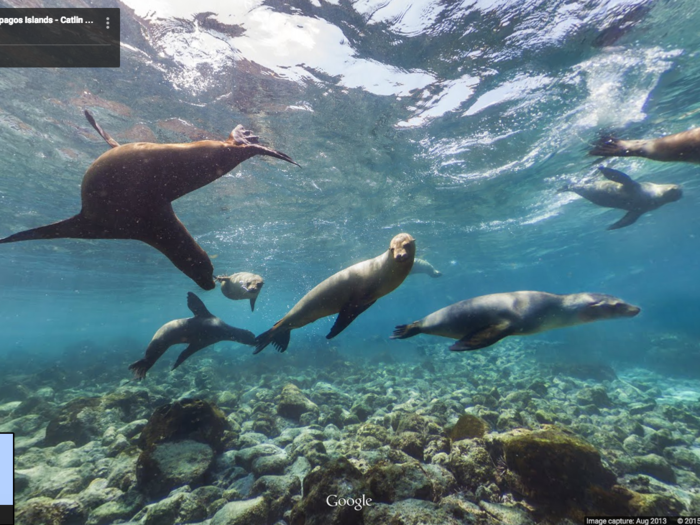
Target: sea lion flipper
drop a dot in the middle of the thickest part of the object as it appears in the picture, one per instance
(187, 352)
(278, 338)
(169, 236)
(196, 306)
(113, 143)
(629, 218)
(76, 227)
(347, 315)
(484, 337)
(252, 303)
(243, 137)
(617, 176)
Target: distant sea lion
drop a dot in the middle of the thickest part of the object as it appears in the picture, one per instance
(127, 194)
(485, 320)
(241, 285)
(200, 331)
(620, 191)
(423, 266)
(681, 147)
(348, 293)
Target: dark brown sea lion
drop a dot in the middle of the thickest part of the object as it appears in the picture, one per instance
(620, 191)
(200, 331)
(347, 293)
(127, 194)
(241, 285)
(485, 320)
(681, 147)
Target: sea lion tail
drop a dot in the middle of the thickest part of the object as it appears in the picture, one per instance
(139, 368)
(404, 331)
(279, 339)
(109, 140)
(608, 146)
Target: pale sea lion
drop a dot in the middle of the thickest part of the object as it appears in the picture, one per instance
(347, 293)
(423, 266)
(682, 147)
(241, 285)
(127, 194)
(620, 191)
(200, 331)
(485, 320)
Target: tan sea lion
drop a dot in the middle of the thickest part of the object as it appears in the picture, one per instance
(348, 293)
(620, 191)
(241, 285)
(127, 194)
(423, 266)
(680, 147)
(200, 331)
(485, 320)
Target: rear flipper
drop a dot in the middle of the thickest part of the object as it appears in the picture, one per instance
(629, 218)
(278, 338)
(99, 130)
(404, 331)
(140, 367)
(244, 137)
(77, 227)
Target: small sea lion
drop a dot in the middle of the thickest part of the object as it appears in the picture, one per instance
(620, 191)
(241, 285)
(423, 266)
(127, 194)
(485, 320)
(347, 293)
(200, 331)
(680, 147)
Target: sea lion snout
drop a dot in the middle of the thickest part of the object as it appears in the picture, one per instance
(674, 193)
(403, 247)
(608, 308)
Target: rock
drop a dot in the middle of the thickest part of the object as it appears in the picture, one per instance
(596, 396)
(407, 512)
(77, 421)
(247, 512)
(411, 443)
(390, 483)
(507, 514)
(684, 458)
(173, 464)
(278, 491)
(338, 477)
(293, 403)
(47, 511)
(270, 465)
(471, 464)
(193, 419)
(180, 507)
(245, 457)
(468, 426)
(654, 466)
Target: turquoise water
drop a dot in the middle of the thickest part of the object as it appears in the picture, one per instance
(453, 122)
(456, 122)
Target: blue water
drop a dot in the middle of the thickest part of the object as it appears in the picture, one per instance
(453, 121)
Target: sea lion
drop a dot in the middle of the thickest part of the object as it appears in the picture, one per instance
(485, 320)
(241, 285)
(620, 191)
(423, 266)
(127, 194)
(200, 331)
(681, 147)
(347, 293)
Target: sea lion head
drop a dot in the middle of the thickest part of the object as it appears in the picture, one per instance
(595, 307)
(670, 192)
(403, 248)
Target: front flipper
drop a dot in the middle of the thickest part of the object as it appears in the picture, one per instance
(618, 176)
(347, 315)
(109, 140)
(252, 303)
(168, 235)
(629, 218)
(187, 352)
(196, 306)
(243, 137)
(484, 337)
(77, 227)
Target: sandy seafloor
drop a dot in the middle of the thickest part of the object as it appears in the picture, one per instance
(351, 425)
